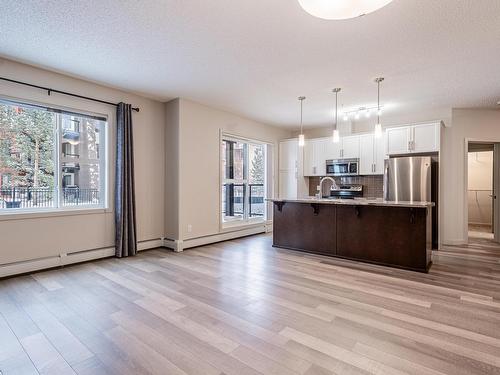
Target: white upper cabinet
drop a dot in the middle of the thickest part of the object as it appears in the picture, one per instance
(398, 140)
(415, 138)
(315, 155)
(425, 138)
(350, 147)
(366, 154)
(379, 158)
(371, 155)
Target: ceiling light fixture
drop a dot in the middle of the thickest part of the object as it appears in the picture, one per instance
(378, 125)
(341, 9)
(335, 134)
(302, 140)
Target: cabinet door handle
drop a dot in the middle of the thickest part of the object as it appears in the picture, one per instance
(314, 170)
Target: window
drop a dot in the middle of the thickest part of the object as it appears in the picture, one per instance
(50, 158)
(244, 181)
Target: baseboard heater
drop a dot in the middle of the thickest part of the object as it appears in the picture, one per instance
(63, 259)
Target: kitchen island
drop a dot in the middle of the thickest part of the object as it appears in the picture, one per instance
(396, 234)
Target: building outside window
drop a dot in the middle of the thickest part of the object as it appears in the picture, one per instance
(244, 181)
(51, 158)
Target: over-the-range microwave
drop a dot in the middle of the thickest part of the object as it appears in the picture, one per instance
(342, 167)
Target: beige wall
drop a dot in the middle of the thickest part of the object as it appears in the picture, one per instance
(36, 237)
(467, 124)
(172, 142)
(199, 162)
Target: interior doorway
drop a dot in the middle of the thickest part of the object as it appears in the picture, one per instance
(481, 190)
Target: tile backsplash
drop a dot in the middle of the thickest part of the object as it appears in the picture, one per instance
(373, 186)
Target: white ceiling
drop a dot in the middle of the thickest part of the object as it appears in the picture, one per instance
(254, 57)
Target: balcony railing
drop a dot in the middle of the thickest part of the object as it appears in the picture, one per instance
(234, 197)
(25, 197)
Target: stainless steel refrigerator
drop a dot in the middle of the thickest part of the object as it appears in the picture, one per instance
(413, 178)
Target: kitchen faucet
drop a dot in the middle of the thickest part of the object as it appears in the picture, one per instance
(320, 187)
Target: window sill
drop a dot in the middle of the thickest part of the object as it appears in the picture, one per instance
(55, 212)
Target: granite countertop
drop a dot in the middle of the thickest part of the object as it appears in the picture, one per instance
(356, 201)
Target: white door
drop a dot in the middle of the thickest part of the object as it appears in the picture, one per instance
(426, 138)
(288, 155)
(288, 184)
(350, 147)
(379, 158)
(366, 154)
(496, 192)
(397, 140)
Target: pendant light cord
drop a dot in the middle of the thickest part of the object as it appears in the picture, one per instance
(301, 98)
(378, 101)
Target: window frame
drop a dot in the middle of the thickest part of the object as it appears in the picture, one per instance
(246, 219)
(104, 162)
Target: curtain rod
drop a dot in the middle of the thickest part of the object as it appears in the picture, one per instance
(49, 91)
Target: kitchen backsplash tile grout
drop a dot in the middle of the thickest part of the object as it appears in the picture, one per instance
(373, 186)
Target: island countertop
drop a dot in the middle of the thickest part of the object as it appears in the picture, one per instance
(356, 201)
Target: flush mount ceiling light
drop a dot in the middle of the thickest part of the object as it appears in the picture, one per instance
(341, 9)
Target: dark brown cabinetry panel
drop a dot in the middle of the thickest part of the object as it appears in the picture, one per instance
(388, 235)
(304, 226)
(385, 235)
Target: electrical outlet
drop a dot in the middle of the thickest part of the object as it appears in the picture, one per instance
(190, 228)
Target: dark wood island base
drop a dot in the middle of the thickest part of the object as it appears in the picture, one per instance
(386, 234)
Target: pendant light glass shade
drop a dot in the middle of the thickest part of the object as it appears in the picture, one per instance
(302, 140)
(341, 9)
(335, 136)
(378, 130)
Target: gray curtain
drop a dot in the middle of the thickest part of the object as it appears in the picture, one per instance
(125, 223)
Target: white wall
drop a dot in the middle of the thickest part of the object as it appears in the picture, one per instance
(199, 129)
(467, 124)
(480, 184)
(26, 238)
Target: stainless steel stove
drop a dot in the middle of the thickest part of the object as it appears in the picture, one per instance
(347, 191)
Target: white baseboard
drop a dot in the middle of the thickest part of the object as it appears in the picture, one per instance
(150, 244)
(54, 261)
(180, 245)
(69, 258)
(454, 242)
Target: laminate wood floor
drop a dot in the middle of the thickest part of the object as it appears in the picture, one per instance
(242, 307)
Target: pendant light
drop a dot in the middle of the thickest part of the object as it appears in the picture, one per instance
(335, 134)
(378, 125)
(302, 140)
